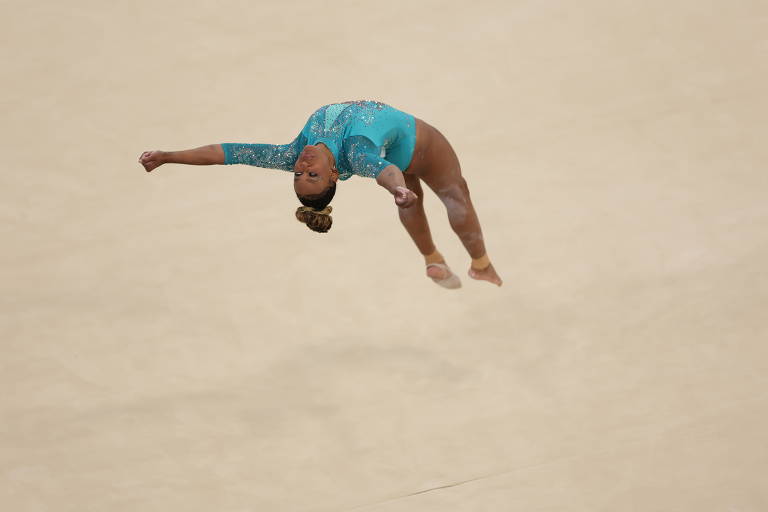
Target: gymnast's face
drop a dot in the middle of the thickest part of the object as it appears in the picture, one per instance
(312, 173)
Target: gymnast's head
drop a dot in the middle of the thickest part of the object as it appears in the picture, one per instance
(314, 180)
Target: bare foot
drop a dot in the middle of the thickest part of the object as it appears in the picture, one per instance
(436, 272)
(487, 274)
(442, 275)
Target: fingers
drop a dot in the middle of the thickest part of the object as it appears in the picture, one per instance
(148, 159)
(405, 198)
(404, 192)
(146, 156)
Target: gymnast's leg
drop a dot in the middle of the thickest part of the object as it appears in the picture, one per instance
(444, 178)
(414, 219)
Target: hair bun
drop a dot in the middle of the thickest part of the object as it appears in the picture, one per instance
(325, 211)
(316, 220)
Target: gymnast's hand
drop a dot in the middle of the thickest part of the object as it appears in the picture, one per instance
(405, 198)
(151, 160)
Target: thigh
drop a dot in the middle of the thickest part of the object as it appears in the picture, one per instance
(441, 169)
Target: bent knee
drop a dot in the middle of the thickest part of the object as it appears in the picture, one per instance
(455, 193)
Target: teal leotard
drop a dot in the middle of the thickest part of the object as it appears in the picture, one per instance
(364, 137)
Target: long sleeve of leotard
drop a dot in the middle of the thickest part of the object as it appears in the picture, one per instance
(364, 157)
(271, 156)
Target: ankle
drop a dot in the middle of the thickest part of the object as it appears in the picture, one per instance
(481, 263)
(435, 257)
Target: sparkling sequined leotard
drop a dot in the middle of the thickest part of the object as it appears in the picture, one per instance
(364, 137)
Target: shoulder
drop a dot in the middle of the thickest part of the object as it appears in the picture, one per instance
(358, 143)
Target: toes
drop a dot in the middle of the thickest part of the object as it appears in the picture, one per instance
(436, 273)
(483, 276)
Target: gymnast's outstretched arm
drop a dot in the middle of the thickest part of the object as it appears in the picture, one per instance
(205, 155)
(271, 156)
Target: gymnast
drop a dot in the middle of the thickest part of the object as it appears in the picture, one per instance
(370, 139)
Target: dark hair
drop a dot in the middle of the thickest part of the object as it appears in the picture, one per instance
(316, 213)
(321, 200)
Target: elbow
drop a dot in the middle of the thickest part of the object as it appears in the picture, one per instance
(384, 178)
(388, 174)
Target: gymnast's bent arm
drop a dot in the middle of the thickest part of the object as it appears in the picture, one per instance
(364, 160)
(391, 178)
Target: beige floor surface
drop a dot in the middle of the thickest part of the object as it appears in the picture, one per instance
(178, 342)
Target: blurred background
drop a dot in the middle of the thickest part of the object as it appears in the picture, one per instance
(177, 340)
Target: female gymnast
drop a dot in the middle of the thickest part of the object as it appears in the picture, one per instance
(365, 138)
